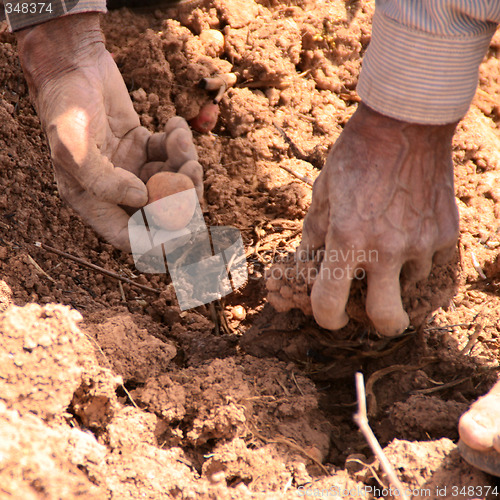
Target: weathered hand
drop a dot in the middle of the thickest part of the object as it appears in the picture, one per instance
(384, 201)
(101, 154)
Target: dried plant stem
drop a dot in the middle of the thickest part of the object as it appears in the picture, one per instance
(303, 178)
(361, 420)
(100, 269)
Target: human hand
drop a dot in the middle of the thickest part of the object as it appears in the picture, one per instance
(101, 154)
(383, 202)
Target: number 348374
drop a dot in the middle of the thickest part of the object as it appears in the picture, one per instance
(28, 7)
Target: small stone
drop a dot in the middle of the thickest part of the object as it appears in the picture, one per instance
(238, 313)
(44, 340)
(217, 477)
(213, 40)
(29, 344)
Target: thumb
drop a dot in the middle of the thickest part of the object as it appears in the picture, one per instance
(115, 185)
(74, 150)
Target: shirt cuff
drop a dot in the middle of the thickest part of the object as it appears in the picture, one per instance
(26, 13)
(420, 77)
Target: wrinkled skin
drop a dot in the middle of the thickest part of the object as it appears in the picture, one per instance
(385, 198)
(101, 154)
(480, 432)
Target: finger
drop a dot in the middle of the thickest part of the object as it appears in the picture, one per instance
(475, 429)
(109, 184)
(330, 293)
(176, 122)
(113, 224)
(383, 301)
(180, 148)
(448, 229)
(445, 254)
(195, 172)
(157, 146)
(315, 224)
(417, 269)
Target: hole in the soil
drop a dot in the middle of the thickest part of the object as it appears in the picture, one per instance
(123, 392)
(233, 481)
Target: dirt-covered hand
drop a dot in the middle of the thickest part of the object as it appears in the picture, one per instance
(383, 202)
(101, 154)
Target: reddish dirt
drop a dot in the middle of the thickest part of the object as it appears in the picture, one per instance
(109, 392)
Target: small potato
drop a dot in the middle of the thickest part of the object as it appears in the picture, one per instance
(173, 212)
(206, 119)
(213, 41)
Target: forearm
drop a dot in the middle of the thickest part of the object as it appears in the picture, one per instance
(25, 13)
(423, 60)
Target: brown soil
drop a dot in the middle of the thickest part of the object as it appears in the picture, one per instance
(141, 400)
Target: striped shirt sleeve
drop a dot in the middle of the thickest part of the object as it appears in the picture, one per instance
(24, 13)
(423, 60)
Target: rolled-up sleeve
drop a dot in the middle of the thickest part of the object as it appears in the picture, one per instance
(423, 59)
(25, 13)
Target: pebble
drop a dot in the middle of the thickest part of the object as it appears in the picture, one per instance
(213, 39)
(239, 313)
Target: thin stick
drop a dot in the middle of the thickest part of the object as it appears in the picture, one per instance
(362, 422)
(100, 269)
(477, 267)
(39, 269)
(473, 339)
(440, 387)
(372, 410)
(110, 366)
(297, 384)
(370, 468)
(303, 178)
(291, 444)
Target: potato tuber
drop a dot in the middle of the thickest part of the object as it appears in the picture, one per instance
(172, 212)
(206, 119)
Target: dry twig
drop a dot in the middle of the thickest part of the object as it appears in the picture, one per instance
(100, 269)
(473, 339)
(370, 468)
(292, 445)
(361, 420)
(477, 267)
(110, 366)
(303, 178)
(441, 387)
(39, 269)
(372, 410)
(297, 384)
(298, 154)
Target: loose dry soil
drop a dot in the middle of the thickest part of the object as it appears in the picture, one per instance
(110, 392)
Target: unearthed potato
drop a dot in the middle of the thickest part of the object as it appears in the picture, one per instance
(173, 212)
(206, 119)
